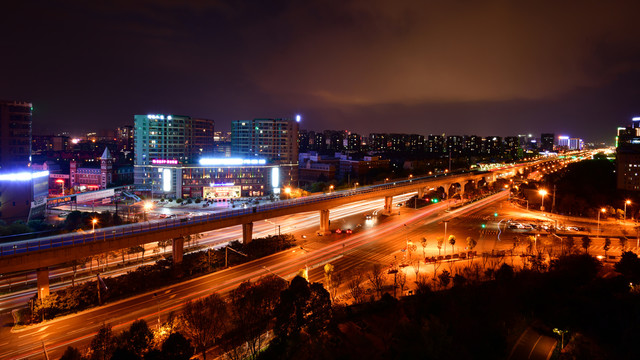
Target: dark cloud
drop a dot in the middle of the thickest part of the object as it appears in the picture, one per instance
(485, 67)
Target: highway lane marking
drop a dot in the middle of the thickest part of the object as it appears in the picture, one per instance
(353, 242)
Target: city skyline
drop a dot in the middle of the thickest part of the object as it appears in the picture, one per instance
(486, 68)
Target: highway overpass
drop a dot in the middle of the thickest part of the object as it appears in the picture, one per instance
(39, 254)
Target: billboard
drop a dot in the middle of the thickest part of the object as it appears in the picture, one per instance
(221, 192)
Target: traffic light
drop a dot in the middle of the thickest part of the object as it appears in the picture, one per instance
(484, 225)
(495, 214)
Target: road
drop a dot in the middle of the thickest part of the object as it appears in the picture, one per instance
(373, 243)
(301, 224)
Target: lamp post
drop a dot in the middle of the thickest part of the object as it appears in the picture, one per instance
(330, 188)
(147, 207)
(542, 193)
(627, 202)
(355, 185)
(445, 236)
(276, 227)
(94, 221)
(603, 210)
(287, 190)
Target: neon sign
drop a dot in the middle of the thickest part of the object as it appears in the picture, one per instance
(23, 176)
(159, 117)
(222, 184)
(231, 161)
(164, 162)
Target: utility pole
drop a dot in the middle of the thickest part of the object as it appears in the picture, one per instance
(445, 236)
(553, 204)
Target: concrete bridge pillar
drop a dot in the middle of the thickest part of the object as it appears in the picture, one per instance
(324, 222)
(43, 282)
(420, 193)
(177, 250)
(447, 190)
(388, 201)
(247, 233)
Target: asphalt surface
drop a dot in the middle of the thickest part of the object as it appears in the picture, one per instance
(381, 241)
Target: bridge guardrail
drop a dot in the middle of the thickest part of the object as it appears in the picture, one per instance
(138, 228)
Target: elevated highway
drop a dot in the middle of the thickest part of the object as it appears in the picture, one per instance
(39, 254)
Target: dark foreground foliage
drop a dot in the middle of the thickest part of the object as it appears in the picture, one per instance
(482, 321)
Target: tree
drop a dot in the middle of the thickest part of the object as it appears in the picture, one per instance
(586, 242)
(570, 244)
(252, 308)
(177, 347)
(138, 337)
(377, 277)
(471, 243)
(504, 273)
(71, 353)
(329, 278)
(607, 246)
(439, 243)
(416, 267)
(402, 280)
(423, 242)
(452, 242)
(623, 243)
(355, 289)
(302, 305)
(205, 321)
(459, 280)
(102, 345)
(629, 266)
(444, 278)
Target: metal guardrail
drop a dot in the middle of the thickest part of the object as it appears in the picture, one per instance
(109, 233)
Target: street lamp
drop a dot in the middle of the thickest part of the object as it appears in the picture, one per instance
(355, 185)
(330, 188)
(287, 191)
(627, 202)
(603, 210)
(147, 207)
(94, 221)
(542, 193)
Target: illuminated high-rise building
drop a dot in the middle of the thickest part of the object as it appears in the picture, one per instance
(23, 191)
(171, 140)
(275, 140)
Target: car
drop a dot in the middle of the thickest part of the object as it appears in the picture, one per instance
(338, 231)
(163, 216)
(399, 204)
(63, 214)
(172, 216)
(348, 231)
(368, 217)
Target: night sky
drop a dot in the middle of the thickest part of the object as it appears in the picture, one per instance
(455, 67)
